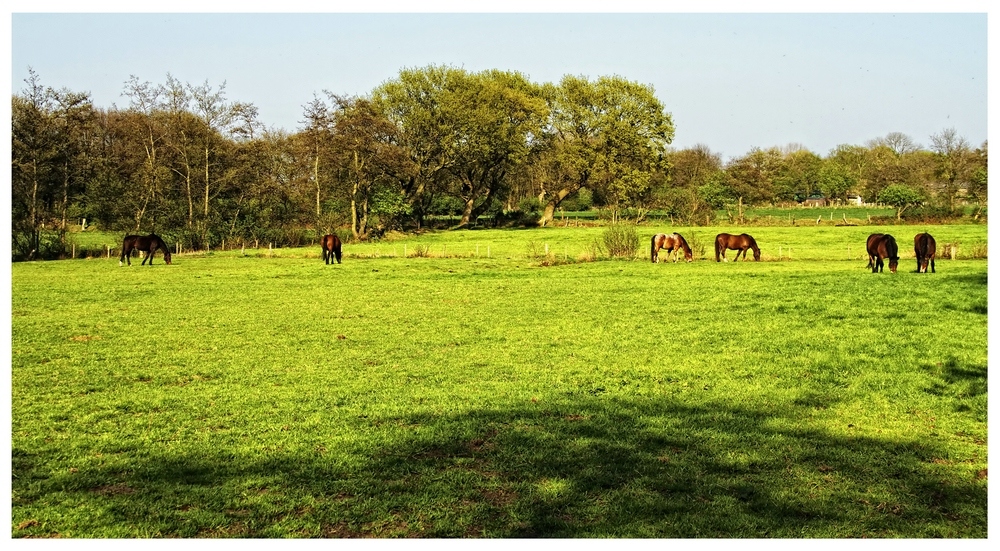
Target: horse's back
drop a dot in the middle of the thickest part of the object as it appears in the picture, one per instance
(873, 242)
(923, 243)
(331, 242)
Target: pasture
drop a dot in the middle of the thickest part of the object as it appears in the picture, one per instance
(488, 389)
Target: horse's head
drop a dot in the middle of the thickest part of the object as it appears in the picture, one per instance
(756, 254)
(893, 262)
(166, 256)
(688, 256)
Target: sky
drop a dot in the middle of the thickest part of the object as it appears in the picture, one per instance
(731, 81)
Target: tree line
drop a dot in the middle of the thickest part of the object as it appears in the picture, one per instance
(184, 161)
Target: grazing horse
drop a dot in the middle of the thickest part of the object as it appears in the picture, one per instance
(145, 243)
(868, 247)
(740, 243)
(331, 248)
(880, 247)
(925, 247)
(672, 243)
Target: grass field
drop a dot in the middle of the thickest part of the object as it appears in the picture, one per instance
(487, 389)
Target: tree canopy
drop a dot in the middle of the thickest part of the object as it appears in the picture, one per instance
(433, 143)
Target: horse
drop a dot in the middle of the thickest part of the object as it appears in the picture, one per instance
(925, 247)
(880, 247)
(672, 243)
(331, 247)
(868, 247)
(145, 243)
(740, 243)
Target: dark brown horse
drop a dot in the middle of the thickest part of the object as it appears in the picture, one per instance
(145, 243)
(881, 246)
(740, 243)
(672, 243)
(925, 247)
(868, 247)
(331, 248)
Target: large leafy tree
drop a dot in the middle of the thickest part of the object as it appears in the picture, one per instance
(501, 113)
(51, 136)
(799, 176)
(689, 170)
(610, 135)
(753, 177)
(955, 163)
(834, 180)
(418, 101)
(900, 196)
(465, 132)
(370, 162)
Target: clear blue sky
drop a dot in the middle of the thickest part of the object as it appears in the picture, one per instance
(730, 81)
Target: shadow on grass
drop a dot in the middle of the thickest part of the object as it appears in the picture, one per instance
(587, 467)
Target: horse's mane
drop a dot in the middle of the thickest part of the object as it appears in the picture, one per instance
(683, 241)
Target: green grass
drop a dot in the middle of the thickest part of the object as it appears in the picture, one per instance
(461, 395)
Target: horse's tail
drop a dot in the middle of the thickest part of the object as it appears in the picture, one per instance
(652, 249)
(718, 242)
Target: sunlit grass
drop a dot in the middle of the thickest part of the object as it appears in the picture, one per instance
(471, 394)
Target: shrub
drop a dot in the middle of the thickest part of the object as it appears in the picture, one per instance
(933, 214)
(621, 240)
(529, 204)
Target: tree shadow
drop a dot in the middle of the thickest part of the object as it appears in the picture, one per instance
(586, 467)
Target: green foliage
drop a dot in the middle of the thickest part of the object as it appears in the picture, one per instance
(835, 180)
(529, 204)
(621, 240)
(900, 196)
(716, 193)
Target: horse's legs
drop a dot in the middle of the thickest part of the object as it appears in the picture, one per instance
(932, 265)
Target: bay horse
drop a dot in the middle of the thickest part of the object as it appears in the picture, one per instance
(331, 247)
(740, 243)
(145, 243)
(672, 243)
(868, 247)
(925, 247)
(882, 246)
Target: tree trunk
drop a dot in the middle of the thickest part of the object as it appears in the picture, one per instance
(316, 179)
(467, 212)
(356, 221)
(550, 208)
(34, 209)
(206, 185)
(65, 197)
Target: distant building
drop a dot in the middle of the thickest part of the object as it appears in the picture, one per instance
(855, 200)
